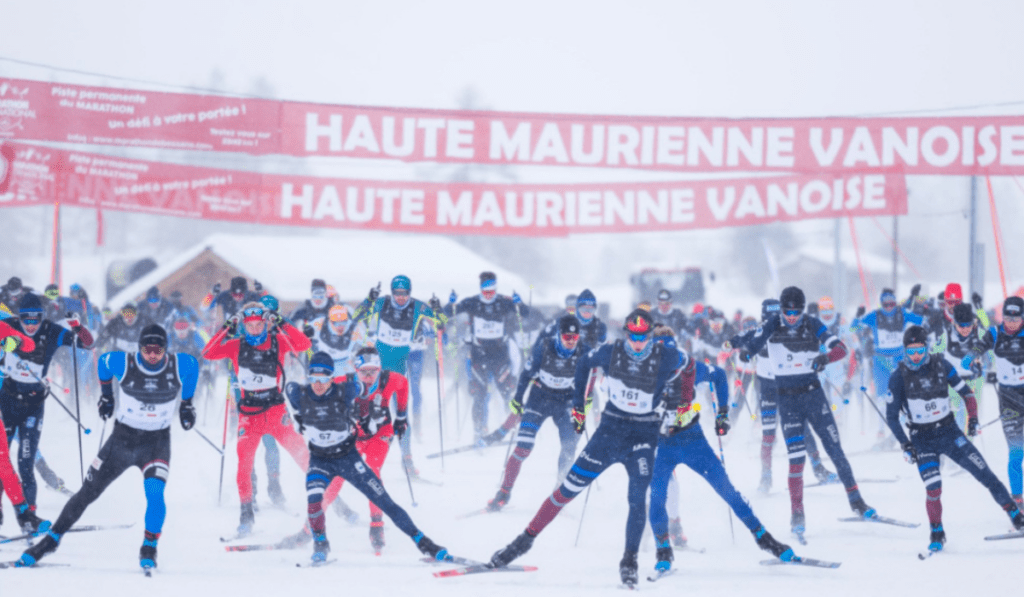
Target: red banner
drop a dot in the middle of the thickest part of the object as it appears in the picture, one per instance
(102, 182)
(33, 110)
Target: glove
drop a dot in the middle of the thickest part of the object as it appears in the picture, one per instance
(216, 289)
(231, 325)
(915, 290)
(106, 407)
(722, 424)
(374, 293)
(909, 453)
(73, 321)
(367, 428)
(972, 427)
(579, 420)
(308, 330)
(435, 305)
(187, 412)
(516, 298)
(861, 311)
(257, 286)
(819, 362)
(274, 318)
(298, 419)
(11, 343)
(745, 355)
(990, 377)
(400, 425)
(452, 298)
(515, 406)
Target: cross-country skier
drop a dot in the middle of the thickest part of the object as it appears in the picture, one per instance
(11, 340)
(490, 321)
(150, 382)
(682, 441)
(341, 336)
(155, 309)
(324, 411)
(257, 359)
(313, 312)
(549, 375)
(668, 315)
(794, 340)
(962, 336)
(122, 332)
(636, 371)
(919, 388)
(1006, 342)
(23, 393)
(399, 317)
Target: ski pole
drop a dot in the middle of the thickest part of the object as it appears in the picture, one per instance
(721, 456)
(103, 432)
(78, 407)
(408, 479)
(207, 440)
(224, 441)
(874, 406)
(583, 512)
(66, 409)
(439, 363)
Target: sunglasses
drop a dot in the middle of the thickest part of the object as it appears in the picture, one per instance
(368, 371)
(637, 337)
(1005, 318)
(319, 378)
(570, 337)
(400, 293)
(152, 350)
(920, 350)
(793, 312)
(889, 304)
(253, 312)
(35, 320)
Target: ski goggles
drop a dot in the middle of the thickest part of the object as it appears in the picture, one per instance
(399, 292)
(792, 312)
(827, 314)
(31, 318)
(368, 373)
(567, 338)
(638, 337)
(252, 314)
(320, 378)
(52, 294)
(152, 350)
(916, 351)
(1015, 318)
(586, 311)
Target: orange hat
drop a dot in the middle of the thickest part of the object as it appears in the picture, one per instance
(338, 313)
(825, 304)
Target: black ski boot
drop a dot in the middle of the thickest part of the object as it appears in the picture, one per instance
(628, 569)
(665, 554)
(29, 522)
(33, 554)
(1015, 515)
(768, 543)
(860, 507)
(377, 535)
(428, 547)
(518, 547)
(246, 520)
(937, 539)
(321, 548)
(499, 501)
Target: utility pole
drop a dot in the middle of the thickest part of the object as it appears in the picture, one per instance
(838, 272)
(895, 253)
(976, 250)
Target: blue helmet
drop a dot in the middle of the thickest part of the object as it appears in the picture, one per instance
(270, 302)
(401, 283)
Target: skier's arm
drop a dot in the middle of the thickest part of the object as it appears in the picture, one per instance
(761, 335)
(595, 358)
(954, 381)
(716, 377)
(188, 373)
(293, 339)
(110, 365)
(892, 410)
(221, 347)
(531, 370)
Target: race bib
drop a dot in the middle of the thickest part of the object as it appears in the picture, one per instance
(484, 329)
(252, 381)
(21, 370)
(928, 411)
(890, 339)
(555, 383)
(392, 336)
(325, 439)
(1009, 374)
(628, 400)
(143, 416)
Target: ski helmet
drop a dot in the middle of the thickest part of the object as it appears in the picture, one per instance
(887, 295)
(568, 324)
(1013, 307)
(152, 295)
(30, 304)
(367, 356)
(915, 334)
(13, 285)
(321, 363)
(51, 291)
(239, 285)
(176, 298)
(825, 304)
(317, 284)
(570, 301)
(792, 298)
(153, 334)
(962, 314)
(954, 293)
(488, 280)
(639, 322)
(769, 307)
(337, 314)
(270, 302)
(401, 283)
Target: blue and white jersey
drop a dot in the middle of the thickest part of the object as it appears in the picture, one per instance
(149, 395)
(888, 329)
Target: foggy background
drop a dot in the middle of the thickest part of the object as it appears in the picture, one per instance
(740, 59)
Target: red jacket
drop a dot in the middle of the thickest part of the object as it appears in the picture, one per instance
(27, 344)
(289, 338)
(396, 386)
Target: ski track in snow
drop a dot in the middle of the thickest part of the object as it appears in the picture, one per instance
(877, 559)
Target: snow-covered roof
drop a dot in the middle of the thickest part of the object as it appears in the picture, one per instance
(352, 263)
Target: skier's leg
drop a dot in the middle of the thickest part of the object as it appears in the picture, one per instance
(967, 456)
(568, 439)
(478, 378)
(820, 416)
(697, 454)
(1011, 411)
(792, 417)
(665, 461)
(638, 463)
(528, 426)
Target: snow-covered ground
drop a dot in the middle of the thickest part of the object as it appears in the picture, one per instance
(877, 559)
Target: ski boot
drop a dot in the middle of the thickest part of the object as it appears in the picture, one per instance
(342, 510)
(298, 539)
(628, 569)
(825, 476)
(147, 553)
(499, 501)
(797, 523)
(377, 535)
(518, 547)
(33, 554)
(1017, 499)
(766, 483)
(862, 509)
(937, 539)
(28, 521)
(246, 520)
(675, 529)
(770, 544)
(1015, 516)
(429, 548)
(321, 547)
(493, 437)
(665, 554)
(275, 493)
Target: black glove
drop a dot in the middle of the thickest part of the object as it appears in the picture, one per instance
(216, 289)
(257, 286)
(915, 290)
(976, 301)
(298, 419)
(861, 310)
(909, 453)
(990, 377)
(819, 362)
(972, 427)
(231, 325)
(308, 330)
(374, 293)
(745, 355)
(722, 423)
(187, 412)
(435, 305)
(400, 426)
(106, 407)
